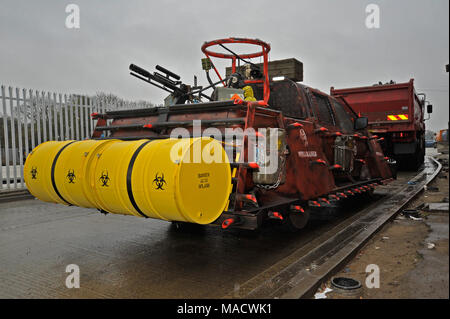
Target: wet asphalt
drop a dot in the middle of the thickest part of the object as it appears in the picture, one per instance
(131, 257)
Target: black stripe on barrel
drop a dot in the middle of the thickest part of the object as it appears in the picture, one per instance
(52, 175)
(129, 172)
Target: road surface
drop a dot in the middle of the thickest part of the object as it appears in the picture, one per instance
(131, 257)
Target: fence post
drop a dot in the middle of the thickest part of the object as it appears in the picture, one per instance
(49, 107)
(32, 119)
(25, 112)
(61, 117)
(38, 118)
(6, 138)
(19, 136)
(86, 117)
(13, 136)
(66, 112)
(77, 116)
(44, 108)
(55, 114)
(71, 114)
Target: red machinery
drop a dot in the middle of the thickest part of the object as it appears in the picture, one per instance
(396, 114)
(322, 149)
(265, 48)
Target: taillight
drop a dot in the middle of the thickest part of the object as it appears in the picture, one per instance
(402, 135)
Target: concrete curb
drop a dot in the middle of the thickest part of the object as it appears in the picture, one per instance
(14, 195)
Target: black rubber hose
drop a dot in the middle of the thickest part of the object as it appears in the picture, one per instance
(209, 80)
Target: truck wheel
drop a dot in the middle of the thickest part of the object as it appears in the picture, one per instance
(415, 160)
(418, 160)
(393, 168)
(186, 227)
(296, 221)
(422, 152)
(420, 155)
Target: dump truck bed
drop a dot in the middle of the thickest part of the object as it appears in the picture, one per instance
(396, 114)
(389, 107)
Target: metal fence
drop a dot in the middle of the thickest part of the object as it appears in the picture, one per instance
(30, 117)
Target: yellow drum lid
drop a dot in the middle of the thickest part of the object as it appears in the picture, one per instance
(39, 171)
(203, 188)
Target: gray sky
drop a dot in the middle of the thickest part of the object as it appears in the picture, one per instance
(328, 36)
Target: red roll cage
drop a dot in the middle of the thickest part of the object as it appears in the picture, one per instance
(265, 48)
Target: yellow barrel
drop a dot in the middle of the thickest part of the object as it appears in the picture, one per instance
(173, 179)
(39, 171)
(109, 177)
(192, 186)
(73, 169)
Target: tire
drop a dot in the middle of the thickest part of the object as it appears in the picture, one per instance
(420, 156)
(296, 221)
(414, 161)
(186, 227)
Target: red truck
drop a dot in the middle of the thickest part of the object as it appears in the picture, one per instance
(396, 114)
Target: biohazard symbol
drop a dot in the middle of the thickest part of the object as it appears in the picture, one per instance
(71, 176)
(105, 179)
(33, 172)
(159, 181)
